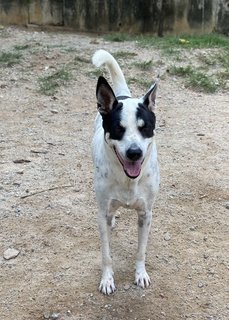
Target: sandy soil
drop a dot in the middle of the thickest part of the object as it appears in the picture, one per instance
(47, 202)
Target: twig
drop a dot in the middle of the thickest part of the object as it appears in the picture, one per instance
(203, 196)
(42, 191)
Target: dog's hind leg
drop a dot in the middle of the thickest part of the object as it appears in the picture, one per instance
(107, 285)
(144, 222)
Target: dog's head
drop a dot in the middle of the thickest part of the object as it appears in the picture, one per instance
(128, 125)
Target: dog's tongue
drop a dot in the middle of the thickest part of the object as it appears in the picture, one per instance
(132, 168)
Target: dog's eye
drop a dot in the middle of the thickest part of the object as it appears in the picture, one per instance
(119, 129)
(118, 132)
(146, 131)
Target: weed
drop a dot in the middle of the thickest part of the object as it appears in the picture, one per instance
(196, 79)
(212, 40)
(190, 42)
(144, 84)
(48, 85)
(81, 59)
(144, 65)
(202, 82)
(69, 49)
(220, 58)
(8, 59)
(124, 54)
(174, 53)
(95, 73)
(181, 71)
(21, 47)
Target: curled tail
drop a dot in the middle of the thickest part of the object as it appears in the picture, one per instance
(120, 87)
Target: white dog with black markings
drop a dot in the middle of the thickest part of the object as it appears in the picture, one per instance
(125, 162)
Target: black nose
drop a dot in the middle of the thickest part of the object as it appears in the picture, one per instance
(134, 153)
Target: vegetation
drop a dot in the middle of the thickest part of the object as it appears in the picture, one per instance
(8, 59)
(49, 84)
(212, 40)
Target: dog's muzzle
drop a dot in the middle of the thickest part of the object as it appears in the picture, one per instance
(133, 163)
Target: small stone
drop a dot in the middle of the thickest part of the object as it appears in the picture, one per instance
(46, 315)
(54, 111)
(200, 285)
(11, 253)
(126, 287)
(227, 205)
(54, 316)
(167, 237)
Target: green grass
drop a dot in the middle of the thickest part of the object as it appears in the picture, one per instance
(81, 59)
(143, 83)
(21, 47)
(219, 58)
(181, 71)
(212, 40)
(202, 82)
(190, 42)
(144, 65)
(196, 79)
(48, 85)
(95, 73)
(9, 59)
(124, 54)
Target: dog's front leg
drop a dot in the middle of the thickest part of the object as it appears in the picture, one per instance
(144, 222)
(107, 285)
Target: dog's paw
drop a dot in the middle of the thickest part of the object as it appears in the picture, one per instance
(142, 279)
(107, 285)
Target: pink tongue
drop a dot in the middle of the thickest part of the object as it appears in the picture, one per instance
(132, 168)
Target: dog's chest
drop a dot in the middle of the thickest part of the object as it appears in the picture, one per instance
(130, 196)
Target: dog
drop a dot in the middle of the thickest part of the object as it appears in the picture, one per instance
(126, 171)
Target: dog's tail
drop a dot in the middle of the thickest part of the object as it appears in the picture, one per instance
(119, 83)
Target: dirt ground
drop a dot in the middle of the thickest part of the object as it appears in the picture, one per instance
(47, 202)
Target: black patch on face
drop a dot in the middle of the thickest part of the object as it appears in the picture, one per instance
(111, 122)
(149, 119)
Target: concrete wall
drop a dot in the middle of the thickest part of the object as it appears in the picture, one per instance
(136, 16)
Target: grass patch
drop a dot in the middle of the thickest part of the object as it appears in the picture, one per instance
(181, 71)
(212, 40)
(220, 58)
(202, 82)
(95, 73)
(48, 85)
(81, 59)
(124, 54)
(144, 84)
(144, 65)
(197, 80)
(185, 41)
(69, 49)
(9, 59)
(21, 47)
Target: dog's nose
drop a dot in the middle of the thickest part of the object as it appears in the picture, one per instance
(134, 153)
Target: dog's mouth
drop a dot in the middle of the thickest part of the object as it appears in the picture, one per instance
(131, 168)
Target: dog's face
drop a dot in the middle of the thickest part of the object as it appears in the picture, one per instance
(128, 125)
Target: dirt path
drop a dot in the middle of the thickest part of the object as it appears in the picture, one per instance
(47, 202)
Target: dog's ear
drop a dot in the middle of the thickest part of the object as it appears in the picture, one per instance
(150, 97)
(105, 96)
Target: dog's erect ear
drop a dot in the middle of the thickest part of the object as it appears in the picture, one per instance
(105, 96)
(150, 97)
